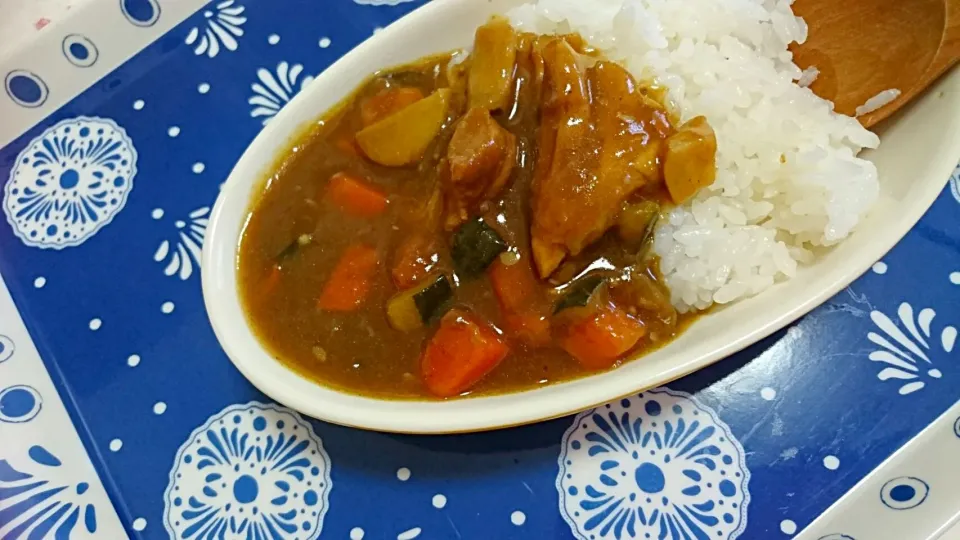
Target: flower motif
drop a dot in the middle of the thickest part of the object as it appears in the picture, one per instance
(955, 183)
(252, 471)
(273, 92)
(655, 465)
(39, 505)
(223, 26)
(908, 356)
(70, 182)
(183, 253)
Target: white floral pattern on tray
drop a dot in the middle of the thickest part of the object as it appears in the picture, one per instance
(223, 26)
(35, 501)
(655, 465)
(182, 255)
(254, 470)
(274, 90)
(511, 514)
(70, 182)
(909, 355)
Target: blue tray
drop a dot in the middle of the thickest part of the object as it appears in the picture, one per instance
(756, 446)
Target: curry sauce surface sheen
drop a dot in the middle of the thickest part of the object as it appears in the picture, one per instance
(571, 182)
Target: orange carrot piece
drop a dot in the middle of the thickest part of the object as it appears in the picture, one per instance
(523, 307)
(269, 283)
(349, 282)
(464, 349)
(531, 328)
(355, 196)
(349, 146)
(598, 340)
(387, 102)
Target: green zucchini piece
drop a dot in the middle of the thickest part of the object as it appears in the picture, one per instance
(413, 308)
(288, 251)
(580, 293)
(431, 299)
(292, 248)
(475, 246)
(637, 222)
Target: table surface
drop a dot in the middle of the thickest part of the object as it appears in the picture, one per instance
(794, 421)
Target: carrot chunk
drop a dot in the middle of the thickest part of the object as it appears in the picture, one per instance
(464, 349)
(355, 196)
(269, 283)
(523, 307)
(349, 282)
(349, 146)
(599, 339)
(532, 328)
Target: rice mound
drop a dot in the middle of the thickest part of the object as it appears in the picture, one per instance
(788, 176)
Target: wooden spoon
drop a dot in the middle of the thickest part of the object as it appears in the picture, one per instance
(862, 47)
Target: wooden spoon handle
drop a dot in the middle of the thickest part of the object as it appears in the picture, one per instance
(947, 56)
(866, 46)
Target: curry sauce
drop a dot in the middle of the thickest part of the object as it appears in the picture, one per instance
(473, 225)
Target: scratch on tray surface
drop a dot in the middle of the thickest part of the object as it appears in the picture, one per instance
(786, 455)
(526, 485)
(811, 502)
(777, 428)
(766, 415)
(861, 306)
(456, 531)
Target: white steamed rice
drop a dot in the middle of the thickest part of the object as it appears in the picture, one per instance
(885, 97)
(788, 176)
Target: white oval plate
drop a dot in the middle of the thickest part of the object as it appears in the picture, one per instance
(919, 150)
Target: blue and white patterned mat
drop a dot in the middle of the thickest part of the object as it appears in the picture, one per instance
(106, 203)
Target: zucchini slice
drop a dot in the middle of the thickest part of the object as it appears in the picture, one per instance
(413, 308)
(580, 293)
(475, 246)
(637, 222)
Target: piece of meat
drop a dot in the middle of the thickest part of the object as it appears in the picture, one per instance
(481, 157)
(416, 256)
(566, 155)
(599, 142)
(690, 161)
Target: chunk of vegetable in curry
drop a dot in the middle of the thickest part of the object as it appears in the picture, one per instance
(402, 137)
(472, 227)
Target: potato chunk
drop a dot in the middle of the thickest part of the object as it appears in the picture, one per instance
(691, 159)
(401, 138)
